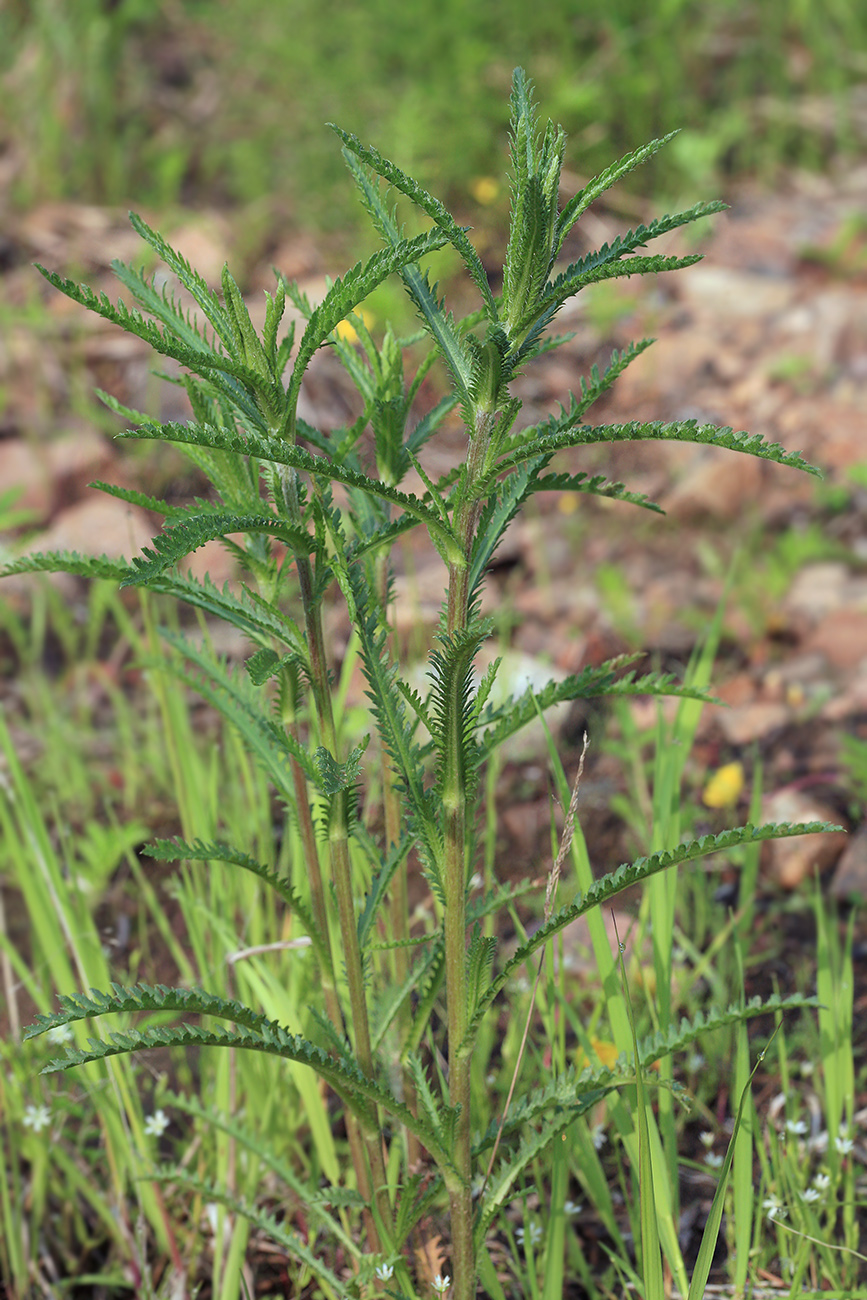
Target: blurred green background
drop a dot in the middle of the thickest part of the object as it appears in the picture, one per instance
(160, 103)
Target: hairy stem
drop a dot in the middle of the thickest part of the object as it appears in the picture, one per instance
(455, 887)
(370, 1173)
(329, 987)
(341, 875)
(399, 898)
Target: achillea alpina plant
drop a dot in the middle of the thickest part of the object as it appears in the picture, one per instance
(413, 1149)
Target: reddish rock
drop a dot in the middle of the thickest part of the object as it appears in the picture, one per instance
(850, 876)
(842, 638)
(792, 861)
(717, 484)
(24, 465)
(752, 721)
(99, 525)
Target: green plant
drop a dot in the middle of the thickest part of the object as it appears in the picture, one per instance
(409, 1119)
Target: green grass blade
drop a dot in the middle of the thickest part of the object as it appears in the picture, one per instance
(701, 1270)
(651, 1253)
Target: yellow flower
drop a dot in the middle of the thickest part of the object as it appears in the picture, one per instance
(604, 1053)
(485, 190)
(724, 787)
(346, 331)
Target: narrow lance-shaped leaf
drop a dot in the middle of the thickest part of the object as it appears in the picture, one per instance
(83, 566)
(189, 278)
(432, 206)
(259, 1034)
(597, 485)
(590, 683)
(599, 184)
(622, 245)
(547, 304)
(499, 1189)
(178, 850)
(184, 538)
(439, 323)
(278, 451)
(201, 361)
(554, 438)
(395, 731)
(160, 304)
(345, 294)
(273, 1229)
(569, 417)
(629, 874)
(234, 696)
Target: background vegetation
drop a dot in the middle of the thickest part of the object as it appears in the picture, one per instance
(159, 102)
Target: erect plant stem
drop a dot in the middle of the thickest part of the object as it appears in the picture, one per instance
(399, 897)
(341, 876)
(455, 888)
(371, 1175)
(329, 988)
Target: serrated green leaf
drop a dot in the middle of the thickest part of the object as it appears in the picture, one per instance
(379, 887)
(202, 362)
(234, 695)
(712, 435)
(544, 307)
(334, 776)
(318, 1199)
(345, 295)
(259, 1034)
(599, 184)
(630, 873)
(499, 1188)
(188, 276)
(265, 664)
(194, 531)
(162, 305)
(439, 214)
(178, 850)
(267, 1223)
(597, 485)
(590, 683)
(438, 322)
(82, 566)
(280, 452)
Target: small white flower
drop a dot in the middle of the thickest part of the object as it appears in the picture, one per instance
(821, 1182)
(36, 1117)
(155, 1125)
(535, 1234)
(810, 1195)
(713, 1160)
(384, 1272)
(806, 1068)
(598, 1136)
(707, 1140)
(773, 1207)
(572, 1207)
(695, 1062)
(441, 1284)
(476, 881)
(797, 1127)
(844, 1145)
(60, 1034)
